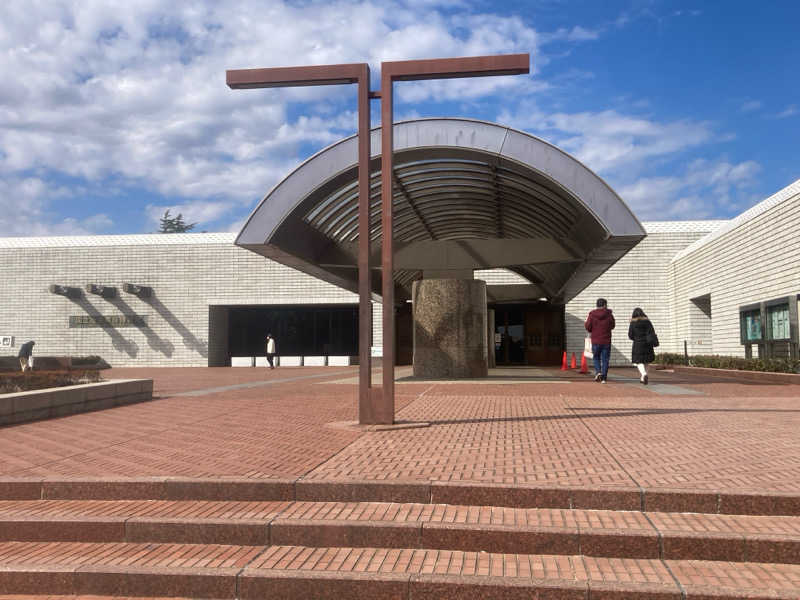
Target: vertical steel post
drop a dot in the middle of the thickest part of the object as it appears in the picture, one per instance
(385, 410)
(366, 411)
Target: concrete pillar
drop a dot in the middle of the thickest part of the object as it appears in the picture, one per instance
(450, 328)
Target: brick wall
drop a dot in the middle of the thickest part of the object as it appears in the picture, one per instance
(187, 275)
(640, 279)
(755, 257)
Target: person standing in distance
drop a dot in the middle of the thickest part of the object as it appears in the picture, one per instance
(599, 323)
(26, 356)
(270, 350)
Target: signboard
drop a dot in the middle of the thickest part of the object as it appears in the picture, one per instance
(106, 321)
(6, 341)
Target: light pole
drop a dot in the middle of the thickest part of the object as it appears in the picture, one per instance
(377, 408)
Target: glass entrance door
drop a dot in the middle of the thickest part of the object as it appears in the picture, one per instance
(528, 334)
(509, 336)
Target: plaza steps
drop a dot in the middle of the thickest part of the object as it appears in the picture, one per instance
(79, 538)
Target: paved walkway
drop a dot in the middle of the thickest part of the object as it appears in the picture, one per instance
(681, 432)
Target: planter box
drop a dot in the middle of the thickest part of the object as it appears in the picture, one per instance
(52, 363)
(69, 400)
(764, 376)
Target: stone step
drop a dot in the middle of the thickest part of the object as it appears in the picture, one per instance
(741, 502)
(288, 572)
(600, 533)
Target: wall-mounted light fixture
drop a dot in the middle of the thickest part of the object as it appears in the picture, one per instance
(64, 290)
(142, 291)
(106, 291)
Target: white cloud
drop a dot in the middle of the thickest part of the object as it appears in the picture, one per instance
(133, 95)
(608, 140)
(789, 111)
(573, 34)
(135, 91)
(750, 105)
(705, 189)
(28, 208)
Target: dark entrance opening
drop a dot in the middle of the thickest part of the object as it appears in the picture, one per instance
(306, 330)
(528, 334)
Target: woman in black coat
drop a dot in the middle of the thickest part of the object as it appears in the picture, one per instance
(644, 339)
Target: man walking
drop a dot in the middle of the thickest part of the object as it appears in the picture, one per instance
(270, 350)
(600, 323)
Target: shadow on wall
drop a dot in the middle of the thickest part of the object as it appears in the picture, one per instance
(189, 339)
(165, 347)
(119, 343)
(620, 344)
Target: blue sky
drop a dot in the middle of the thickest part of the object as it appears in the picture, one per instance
(111, 114)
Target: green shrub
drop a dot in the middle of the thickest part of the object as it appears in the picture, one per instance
(770, 365)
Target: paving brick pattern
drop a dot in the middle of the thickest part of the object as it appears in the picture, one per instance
(736, 436)
(271, 431)
(720, 455)
(591, 435)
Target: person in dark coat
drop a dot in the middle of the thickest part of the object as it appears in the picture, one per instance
(643, 335)
(599, 323)
(25, 352)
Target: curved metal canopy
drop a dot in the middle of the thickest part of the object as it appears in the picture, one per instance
(468, 195)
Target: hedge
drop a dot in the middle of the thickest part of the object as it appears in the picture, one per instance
(770, 365)
(11, 383)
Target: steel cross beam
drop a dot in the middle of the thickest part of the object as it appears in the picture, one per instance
(374, 408)
(333, 75)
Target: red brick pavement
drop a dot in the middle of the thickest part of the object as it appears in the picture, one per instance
(730, 436)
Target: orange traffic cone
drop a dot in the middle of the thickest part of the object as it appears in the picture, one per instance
(564, 362)
(573, 364)
(584, 366)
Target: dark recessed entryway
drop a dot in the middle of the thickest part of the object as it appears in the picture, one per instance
(305, 330)
(528, 334)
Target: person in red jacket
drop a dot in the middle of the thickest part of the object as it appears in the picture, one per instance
(599, 323)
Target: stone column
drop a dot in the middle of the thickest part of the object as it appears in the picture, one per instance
(450, 328)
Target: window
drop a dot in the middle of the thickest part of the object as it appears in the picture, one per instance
(778, 322)
(751, 325)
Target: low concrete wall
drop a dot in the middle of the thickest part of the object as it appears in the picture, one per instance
(295, 361)
(69, 400)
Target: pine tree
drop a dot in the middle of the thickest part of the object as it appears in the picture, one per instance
(174, 224)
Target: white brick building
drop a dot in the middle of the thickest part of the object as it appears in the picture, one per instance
(693, 278)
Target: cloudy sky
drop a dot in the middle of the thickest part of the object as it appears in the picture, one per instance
(112, 112)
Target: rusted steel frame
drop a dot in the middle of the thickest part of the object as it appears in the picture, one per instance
(242, 79)
(334, 75)
(448, 68)
(410, 70)
(366, 403)
(385, 414)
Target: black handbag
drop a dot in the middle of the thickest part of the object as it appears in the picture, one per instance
(651, 338)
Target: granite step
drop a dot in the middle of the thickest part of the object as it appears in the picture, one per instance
(599, 533)
(289, 572)
(731, 502)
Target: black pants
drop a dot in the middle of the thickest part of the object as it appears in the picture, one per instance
(269, 360)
